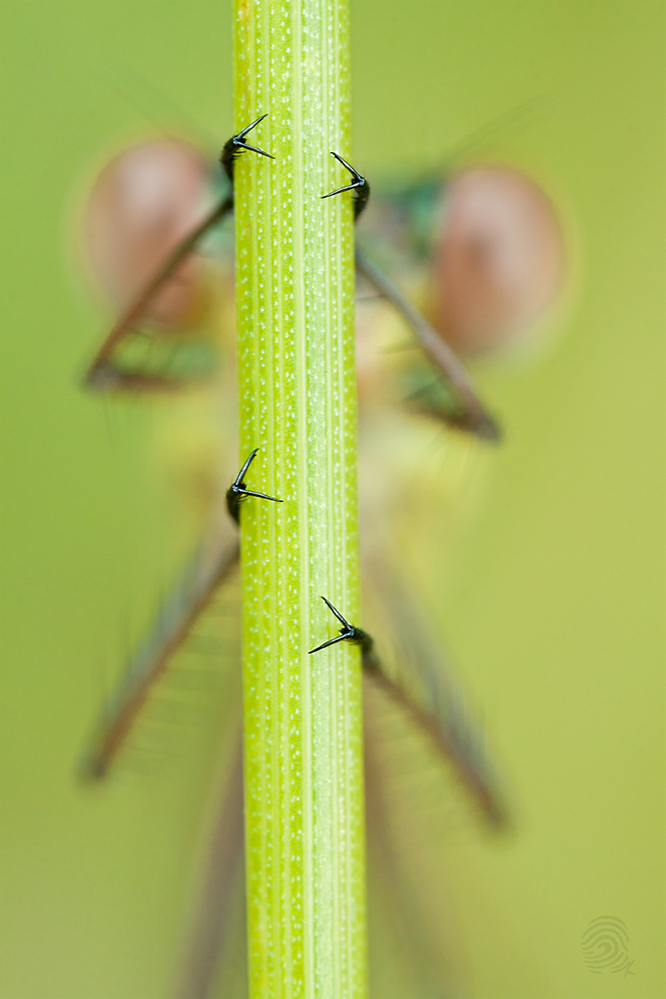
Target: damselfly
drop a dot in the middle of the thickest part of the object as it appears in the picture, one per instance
(480, 251)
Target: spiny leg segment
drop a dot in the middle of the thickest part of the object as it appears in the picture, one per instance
(348, 633)
(234, 146)
(237, 490)
(359, 186)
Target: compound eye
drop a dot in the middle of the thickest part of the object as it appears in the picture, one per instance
(498, 261)
(142, 205)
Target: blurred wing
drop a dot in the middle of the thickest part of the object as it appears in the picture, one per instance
(214, 959)
(212, 564)
(415, 764)
(422, 687)
(412, 939)
(428, 779)
(425, 765)
(455, 742)
(412, 936)
(132, 358)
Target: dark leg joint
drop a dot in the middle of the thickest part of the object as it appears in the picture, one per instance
(348, 633)
(236, 145)
(359, 186)
(237, 491)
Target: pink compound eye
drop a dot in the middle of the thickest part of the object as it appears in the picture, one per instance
(499, 260)
(142, 205)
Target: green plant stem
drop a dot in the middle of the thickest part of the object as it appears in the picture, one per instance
(302, 714)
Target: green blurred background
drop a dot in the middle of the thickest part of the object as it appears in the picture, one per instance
(552, 593)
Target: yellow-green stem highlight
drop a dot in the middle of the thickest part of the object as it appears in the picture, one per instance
(295, 285)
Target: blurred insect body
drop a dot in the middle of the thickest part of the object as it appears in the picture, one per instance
(209, 567)
(462, 409)
(429, 701)
(180, 612)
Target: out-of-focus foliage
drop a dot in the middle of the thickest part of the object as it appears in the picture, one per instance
(541, 563)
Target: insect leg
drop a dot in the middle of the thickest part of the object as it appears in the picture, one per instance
(102, 375)
(473, 416)
(348, 632)
(205, 573)
(359, 186)
(208, 569)
(237, 490)
(234, 146)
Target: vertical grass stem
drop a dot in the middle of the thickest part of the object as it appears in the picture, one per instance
(295, 287)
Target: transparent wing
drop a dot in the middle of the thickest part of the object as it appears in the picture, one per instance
(210, 566)
(410, 814)
(214, 958)
(417, 679)
(428, 779)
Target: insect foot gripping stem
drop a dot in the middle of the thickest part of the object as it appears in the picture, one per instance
(236, 145)
(237, 491)
(348, 632)
(359, 186)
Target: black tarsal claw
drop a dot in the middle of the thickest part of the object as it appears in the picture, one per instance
(237, 491)
(348, 632)
(236, 145)
(359, 186)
